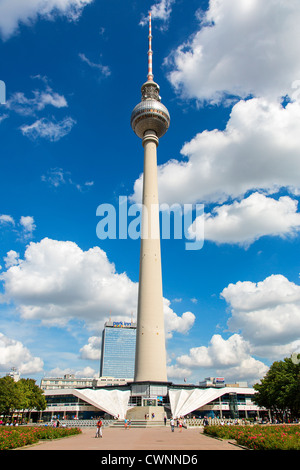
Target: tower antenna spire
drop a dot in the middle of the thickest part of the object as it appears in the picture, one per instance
(150, 52)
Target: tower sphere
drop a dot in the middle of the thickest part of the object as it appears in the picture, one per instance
(150, 113)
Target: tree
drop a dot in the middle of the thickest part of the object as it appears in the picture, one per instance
(8, 395)
(279, 390)
(30, 396)
(22, 395)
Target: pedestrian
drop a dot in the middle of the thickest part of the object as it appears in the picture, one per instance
(180, 425)
(125, 423)
(165, 419)
(172, 424)
(99, 428)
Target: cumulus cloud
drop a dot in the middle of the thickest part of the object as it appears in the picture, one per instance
(6, 220)
(241, 48)
(159, 11)
(47, 129)
(231, 357)
(175, 323)
(13, 13)
(267, 312)
(86, 372)
(265, 325)
(259, 149)
(92, 349)
(245, 221)
(11, 259)
(24, 228)
(178, 372)
(20, 104)
(28, 225)
(14, 354)
(57, 282)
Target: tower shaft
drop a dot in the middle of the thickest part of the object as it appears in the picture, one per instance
(150, 360)
(150, 120)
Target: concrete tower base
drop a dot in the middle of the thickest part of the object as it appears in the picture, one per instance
(140, 412)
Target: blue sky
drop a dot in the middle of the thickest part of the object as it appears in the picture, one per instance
(230, 77)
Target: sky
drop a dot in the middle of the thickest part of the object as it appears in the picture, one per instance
(229, 74)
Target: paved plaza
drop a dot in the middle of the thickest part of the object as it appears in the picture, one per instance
(145, 439)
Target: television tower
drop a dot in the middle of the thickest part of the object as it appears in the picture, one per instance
(150, 120)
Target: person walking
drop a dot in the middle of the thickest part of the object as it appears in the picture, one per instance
(99, 428)
(180, 424)
(172, 424)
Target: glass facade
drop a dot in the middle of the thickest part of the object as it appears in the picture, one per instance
(118, 350)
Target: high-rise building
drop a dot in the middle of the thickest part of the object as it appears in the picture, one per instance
(118, 350)
(150, 120)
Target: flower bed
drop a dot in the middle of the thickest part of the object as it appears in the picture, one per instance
(11, 438)
(273, 437)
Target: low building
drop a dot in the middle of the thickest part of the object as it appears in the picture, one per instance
(116, 401)
(70, 381)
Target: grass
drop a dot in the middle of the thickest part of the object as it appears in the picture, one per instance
(12, 438)
(273, 437)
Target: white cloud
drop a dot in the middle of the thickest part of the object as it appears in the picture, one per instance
(57, 281)
(267, 312)
(24, 229)
(27, 222)
(11, 259)
(86, 372)
(242, 47)
(159, 11)
(231, 358)
(14, 354)
(259, 149)
(265, 322)
(16, 12)
(19, 103)
(103, 69)
(175, 323)
(91, 350)
(57, 177)
(6, 220)
(177, 372)
(3, 117)
(245, 221)
(50, 130)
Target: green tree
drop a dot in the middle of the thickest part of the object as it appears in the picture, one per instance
(30, 396)
(279, 390)
(8, 395)
(22, 395)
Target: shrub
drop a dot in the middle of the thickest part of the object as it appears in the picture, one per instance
(11, 438)
(278, 437)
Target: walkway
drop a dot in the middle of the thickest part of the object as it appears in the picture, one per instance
(160, 438)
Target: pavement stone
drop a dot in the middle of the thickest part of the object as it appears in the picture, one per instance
(139, 439)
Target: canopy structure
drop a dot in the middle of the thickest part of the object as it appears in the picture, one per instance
(114, 402)
(186, 401)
